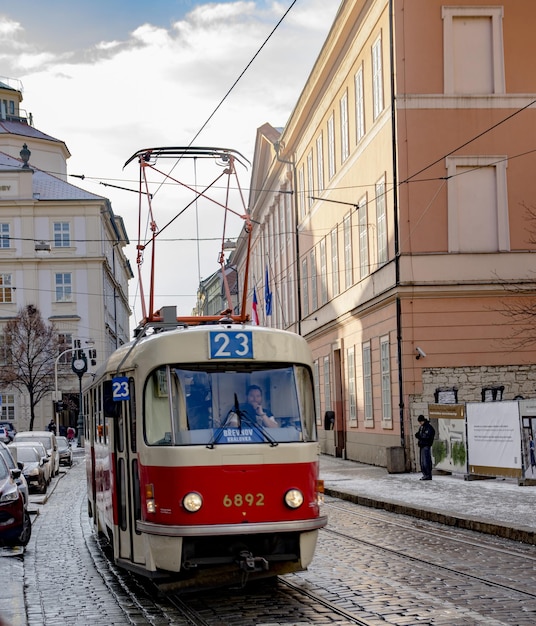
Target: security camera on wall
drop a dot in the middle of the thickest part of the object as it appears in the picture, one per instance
(420, 353)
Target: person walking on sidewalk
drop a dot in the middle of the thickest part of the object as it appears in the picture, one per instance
(425, 437)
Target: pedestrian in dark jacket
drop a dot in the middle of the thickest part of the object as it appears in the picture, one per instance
(425, 437)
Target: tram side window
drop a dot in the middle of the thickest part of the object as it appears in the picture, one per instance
(157, 414)
(132, 416)
(304, 384)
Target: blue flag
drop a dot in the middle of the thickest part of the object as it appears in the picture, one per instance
(267, 294)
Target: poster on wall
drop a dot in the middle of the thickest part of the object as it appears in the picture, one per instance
(449, 450)
(494, 438)
(527, 410)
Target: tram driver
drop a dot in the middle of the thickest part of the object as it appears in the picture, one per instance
(255, 410)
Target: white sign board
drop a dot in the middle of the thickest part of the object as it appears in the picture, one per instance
(493, 437)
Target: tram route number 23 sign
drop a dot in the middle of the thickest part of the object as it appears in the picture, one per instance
(231, 344)
(120, 388)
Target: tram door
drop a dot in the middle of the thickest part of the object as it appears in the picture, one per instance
(127, 500)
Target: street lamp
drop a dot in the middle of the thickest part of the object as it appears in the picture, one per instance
(78, 357)
(79, 367)
(56, 392)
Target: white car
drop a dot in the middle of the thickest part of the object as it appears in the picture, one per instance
(4, 435)
(48, 439)
(16, 471)
(41, 452)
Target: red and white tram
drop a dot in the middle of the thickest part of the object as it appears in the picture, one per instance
(182, 479)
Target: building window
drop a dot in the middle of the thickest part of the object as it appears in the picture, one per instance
(305, 288)
(352, 396)
(291, 297)
(62, 235)
(323, 273)
(385, 368)
(314, 281)
(334, 262)
(367, 385)
(347, 232)
(446, 395)
(477, 204)
(6, 289)
(7, 409)
(364, 264)
(331, 146)
(320, 162)
(64, 290)
(343, 106)
(377, 78)
(310, 180)
(316, 379)
(473, 50)
(3, 349)
(327, 385)
(282, 227)
(381, 222)
(359, 104)
(301, 191)
(5, 240)
(492, 394)
(65, 341)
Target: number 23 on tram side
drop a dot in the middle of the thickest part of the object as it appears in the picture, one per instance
(203, 455)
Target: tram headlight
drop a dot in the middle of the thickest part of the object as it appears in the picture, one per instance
(294, 498)
(192, 502)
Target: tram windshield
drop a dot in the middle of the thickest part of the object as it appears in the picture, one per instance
(188, 405)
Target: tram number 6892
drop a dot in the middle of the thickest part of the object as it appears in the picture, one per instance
(247, 499)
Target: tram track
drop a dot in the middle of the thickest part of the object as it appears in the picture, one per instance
(334, 600)
(351, 618)
(436, 533)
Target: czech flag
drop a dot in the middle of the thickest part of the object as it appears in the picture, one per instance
(254, 308)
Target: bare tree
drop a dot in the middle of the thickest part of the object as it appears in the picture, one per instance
(30, 350)
(520, 305)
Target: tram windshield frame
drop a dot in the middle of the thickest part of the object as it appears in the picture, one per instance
(206, 404)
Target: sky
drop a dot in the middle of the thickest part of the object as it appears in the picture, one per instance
(112, 77)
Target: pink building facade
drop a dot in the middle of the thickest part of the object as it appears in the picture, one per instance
(396, 211)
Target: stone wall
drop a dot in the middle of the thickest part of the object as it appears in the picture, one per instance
(517, 380)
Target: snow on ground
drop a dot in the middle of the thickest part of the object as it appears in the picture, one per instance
(494, 500)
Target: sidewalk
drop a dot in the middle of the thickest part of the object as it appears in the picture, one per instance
(496, 506)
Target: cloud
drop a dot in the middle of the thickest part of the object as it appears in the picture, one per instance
(156, 87)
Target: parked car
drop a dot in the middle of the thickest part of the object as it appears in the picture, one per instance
(43, 454)
(15, 523)
(65, 451)
(34, 468)
(48, 439)
(16, 471)
(4, 435)
(11, 430)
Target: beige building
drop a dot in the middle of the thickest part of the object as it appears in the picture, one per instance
(61, 250)
(392, 216)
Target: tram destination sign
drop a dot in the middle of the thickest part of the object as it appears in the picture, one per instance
(231, 344)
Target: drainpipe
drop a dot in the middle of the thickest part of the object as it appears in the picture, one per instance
(395, 213)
